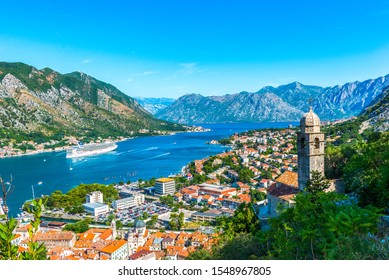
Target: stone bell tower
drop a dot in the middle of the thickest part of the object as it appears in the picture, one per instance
(310, 147)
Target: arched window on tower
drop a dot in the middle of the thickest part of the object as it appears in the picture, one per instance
(317, 143)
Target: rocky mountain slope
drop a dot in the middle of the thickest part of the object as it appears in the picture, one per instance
(49, 104)
(154, 104)
(283, 103)
(377, 114)
(243, 107)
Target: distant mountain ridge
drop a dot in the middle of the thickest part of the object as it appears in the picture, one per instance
(154, 104)
(283, 103)
(48, 103)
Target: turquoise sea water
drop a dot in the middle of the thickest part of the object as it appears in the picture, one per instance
(142, 157)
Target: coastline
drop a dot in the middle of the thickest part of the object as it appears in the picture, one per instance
(63, 148)
(57, 150)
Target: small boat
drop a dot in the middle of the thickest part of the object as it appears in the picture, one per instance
(40, 183)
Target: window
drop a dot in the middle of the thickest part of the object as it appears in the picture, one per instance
(317, 143)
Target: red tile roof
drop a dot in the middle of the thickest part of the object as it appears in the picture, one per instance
(288, 178)
(114, 246)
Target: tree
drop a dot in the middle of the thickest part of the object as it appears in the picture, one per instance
(201, 254)
(119, 224)
(317, 183)
(173, 223)
(256, 195)
(79, 226)
(367, 173)
(242, 247)
(313, 227)
(153, 220)
(245, 175)
(145, 215)
(167, 199)
(245, 220)
(8, 251)
(181, 219)
(35, 250)
(110, 217)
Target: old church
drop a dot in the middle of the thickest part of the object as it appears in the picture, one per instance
(310, 149)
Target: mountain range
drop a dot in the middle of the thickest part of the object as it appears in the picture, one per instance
(47, 103)
(154, 104)
(283, 103)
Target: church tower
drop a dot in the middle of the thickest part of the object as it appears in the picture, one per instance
(310, 146)
(114, 231)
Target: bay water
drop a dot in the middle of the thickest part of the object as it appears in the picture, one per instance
(142, 157)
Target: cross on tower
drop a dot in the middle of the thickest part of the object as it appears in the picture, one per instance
(310, 102)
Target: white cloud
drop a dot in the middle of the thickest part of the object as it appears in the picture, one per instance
(88, 60)
(189, 68)
(144, 73)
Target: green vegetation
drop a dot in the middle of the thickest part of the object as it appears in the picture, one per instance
(8, 251)
(97, 109)
(367, 172)
(317, 184)
(167, 199)
(224, 142)
(72, 201)
(243, 221)
(364, 167)
(344, 132)
(78, 227)
(320, 226)
(176, 221)
(245, 175)
(152, 222)
(35, 250)
(256, 195)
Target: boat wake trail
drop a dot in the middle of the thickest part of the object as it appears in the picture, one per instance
(129, 151)
(161, 155)
(137, 151)
(151, 148)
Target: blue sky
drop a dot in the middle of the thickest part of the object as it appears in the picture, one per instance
(170, 48)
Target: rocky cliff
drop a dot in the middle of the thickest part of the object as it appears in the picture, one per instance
(47, 103)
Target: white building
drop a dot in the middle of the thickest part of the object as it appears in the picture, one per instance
(94, 197)
(96, 209)
(128, 202)
(165, 186)
(117, 250)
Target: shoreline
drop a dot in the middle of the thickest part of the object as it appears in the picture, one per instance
(59, 149)
(62, 149)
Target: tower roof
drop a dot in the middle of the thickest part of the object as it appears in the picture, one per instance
(140, 224)
(310, 119)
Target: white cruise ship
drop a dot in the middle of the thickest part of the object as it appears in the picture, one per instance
(90, 149)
